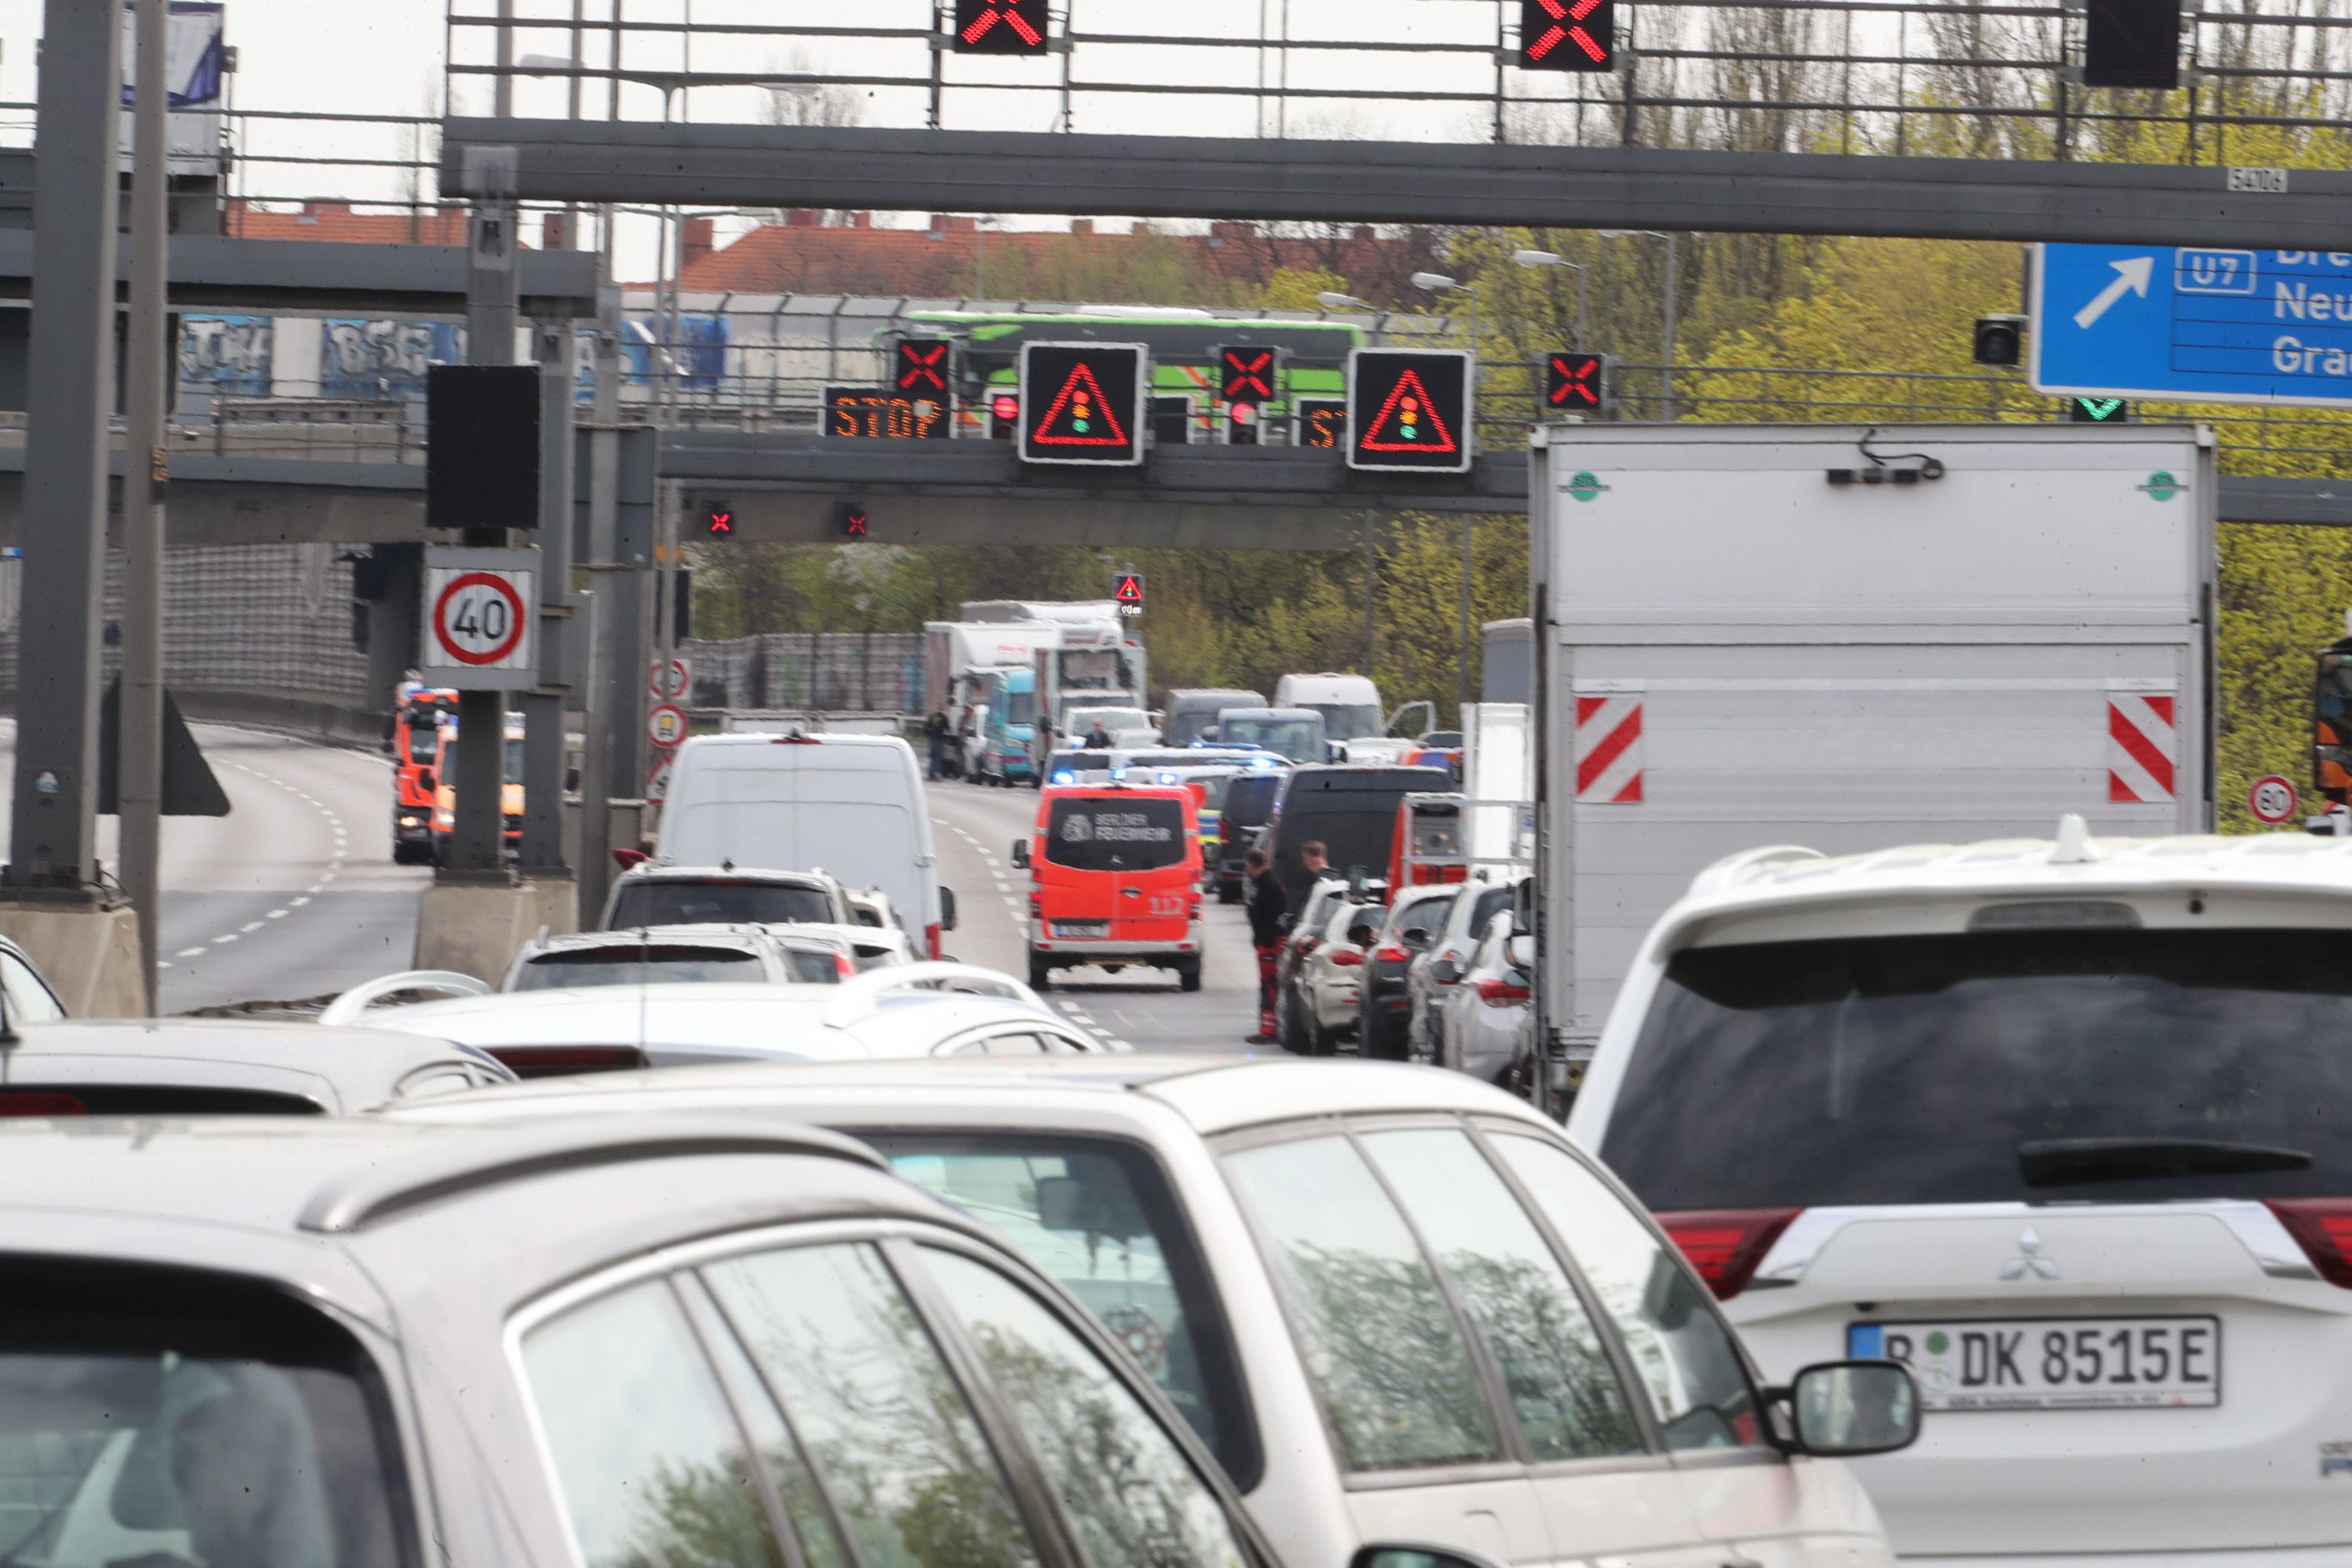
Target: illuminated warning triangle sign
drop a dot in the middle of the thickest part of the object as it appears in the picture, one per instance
(1408, 422)
(1129, 590)
(1079, 414)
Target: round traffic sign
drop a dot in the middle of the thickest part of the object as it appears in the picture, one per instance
(666, 725)
(2271, 800)
(478, 618)
(670, 678)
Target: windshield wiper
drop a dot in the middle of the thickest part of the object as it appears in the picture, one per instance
(2065, 1161)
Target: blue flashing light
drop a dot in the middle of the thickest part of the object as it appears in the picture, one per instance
(1167, 778)
(1064, 775)
(1261, 763)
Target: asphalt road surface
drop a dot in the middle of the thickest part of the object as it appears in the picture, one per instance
(291, 895)
(974, 827)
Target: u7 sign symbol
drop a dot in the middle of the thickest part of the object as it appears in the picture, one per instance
(480, 608)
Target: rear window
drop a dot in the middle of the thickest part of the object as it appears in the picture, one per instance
(658, 963)
(2039, 1067)
(669, 903)
(1351, 838)
(1248, 798)
(1114, 835)
(1300, 739)
(232, 1427)
(814, 965)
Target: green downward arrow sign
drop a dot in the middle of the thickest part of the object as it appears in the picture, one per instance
(2099, 408)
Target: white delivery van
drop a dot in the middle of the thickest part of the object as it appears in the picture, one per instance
(848, 805)
(1850, 638)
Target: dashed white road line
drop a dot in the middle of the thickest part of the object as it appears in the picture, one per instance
(189, 952)
(334, 867)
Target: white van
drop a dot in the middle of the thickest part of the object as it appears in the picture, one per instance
(848, 805)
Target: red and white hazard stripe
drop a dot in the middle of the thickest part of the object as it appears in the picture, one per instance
(2143, 748)
(1609, 748)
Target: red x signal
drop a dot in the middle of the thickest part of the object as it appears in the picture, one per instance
(1575, 382)
(1567, 19)
(1006, 12)
(922, 367)
(720, 522)
(1249, 375)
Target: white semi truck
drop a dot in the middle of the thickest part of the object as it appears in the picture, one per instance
(1850, 639)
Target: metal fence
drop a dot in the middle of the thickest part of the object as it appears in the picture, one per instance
(837, 672)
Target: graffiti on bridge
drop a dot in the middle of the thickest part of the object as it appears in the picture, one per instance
(226, 356)
(386, 359)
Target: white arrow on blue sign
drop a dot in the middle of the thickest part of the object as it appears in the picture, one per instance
(2193, 324)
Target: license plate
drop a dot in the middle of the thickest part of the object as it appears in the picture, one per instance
(1082, 928)
(2052, 1363)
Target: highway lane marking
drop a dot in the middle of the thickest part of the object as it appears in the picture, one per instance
(275, 915)
(298, 903)
(248, 928)
(189, 952)
(334, 867)
(230, 937)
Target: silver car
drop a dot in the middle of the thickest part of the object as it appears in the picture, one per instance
(1478, 1029)
(1437, 969)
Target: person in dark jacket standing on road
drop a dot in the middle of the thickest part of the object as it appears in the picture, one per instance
(1267, 905)
(935, 729)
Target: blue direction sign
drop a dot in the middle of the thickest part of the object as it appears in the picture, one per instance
(2195, 325)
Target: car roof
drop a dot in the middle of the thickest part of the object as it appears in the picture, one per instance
(826, 737)
(652, 871)
(328, 1173)
(2074, 864)
(1115, 789)
(788, 1020)
(1212, 1094)
(1340, 778)
(748, 938)
(1254, 711)
(360, 1065)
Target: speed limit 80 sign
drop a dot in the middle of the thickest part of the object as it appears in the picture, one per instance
(481, 614)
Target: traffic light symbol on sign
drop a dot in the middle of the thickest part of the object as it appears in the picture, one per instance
(1575, 382)
(1128, 589)
(1408, 421)
(1082, 403)
(923, 365)
(1246, 375)
(1000, 26)
(1079, 416)
(1568, 35)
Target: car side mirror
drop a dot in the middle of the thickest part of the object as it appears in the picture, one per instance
(1414, 1554)
(1522, 951)
(1445, 972)
(624, 857)
(1020, 853)
(1846, 1409)
(947, 909)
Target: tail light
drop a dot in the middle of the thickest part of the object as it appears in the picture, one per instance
(843, 968)
(1501, 994)
(1726, 1245)
(626, 858)
(1347, 958)
(1393, 954)
(1036, 907)
(2323, 1227)
(29, 1102)
(931, 940)
(563, 1062)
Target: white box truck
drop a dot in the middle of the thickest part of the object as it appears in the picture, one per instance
(1850, 638)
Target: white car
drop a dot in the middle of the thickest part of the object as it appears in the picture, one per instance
(907, 1010)
(1480, 1019)
(1456, 940)
(1331, 975)
(1394, 1304)
(882, 938)
(680, 954)
(2061, 1125)
(650, 895)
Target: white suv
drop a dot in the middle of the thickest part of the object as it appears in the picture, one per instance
(2059, 1124)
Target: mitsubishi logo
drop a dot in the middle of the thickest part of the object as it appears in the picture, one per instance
(2029, 1260)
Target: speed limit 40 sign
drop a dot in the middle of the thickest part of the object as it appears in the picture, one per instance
(481, 619)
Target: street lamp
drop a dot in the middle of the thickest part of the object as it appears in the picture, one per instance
(1331, 302)
(1671, 253)
(1439, 283)
(1535, 259)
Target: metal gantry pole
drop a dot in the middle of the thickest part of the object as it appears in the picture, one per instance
(139, 721)
(615, 595)
(545, 723)
(1674, 251)
(52, 828)
(477, 845)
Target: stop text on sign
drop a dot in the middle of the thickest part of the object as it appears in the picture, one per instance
(481, 614)
(873, 413)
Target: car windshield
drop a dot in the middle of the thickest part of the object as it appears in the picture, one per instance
(149, 1418)
(1960, 1068)
(659, 964)
(1300, 739)
(1021, 707)
(514, 759)
(1348, 720)
(1114, 835)
(424, 740)
(677, 901)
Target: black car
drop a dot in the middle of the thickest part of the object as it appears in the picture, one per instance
(1384, 1002)
(1248, 801)
(1350, 810)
